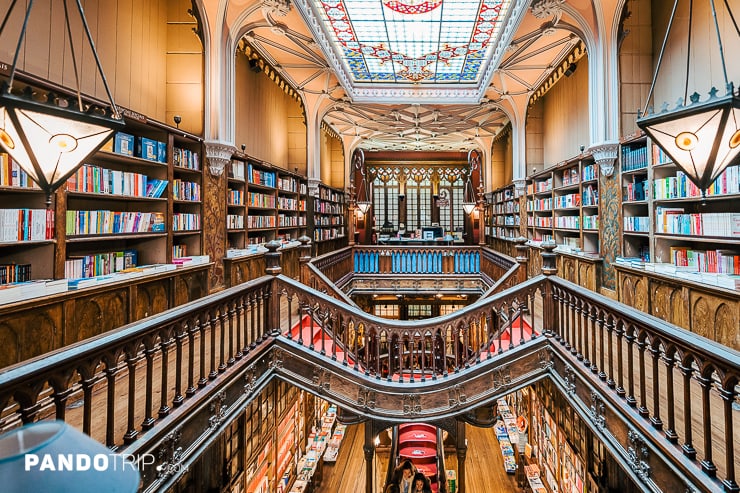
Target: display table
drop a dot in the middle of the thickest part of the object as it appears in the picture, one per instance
(505, 440)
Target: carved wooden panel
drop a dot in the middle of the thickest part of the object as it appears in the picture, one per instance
(37, 326)
(290, 264)
(567, 268)
(535, 262)
(151, 298)
(716, 318)
(244, 269)
(96, 314)
(587, 275)
(29, 334)
(668, 303)
(190, 286)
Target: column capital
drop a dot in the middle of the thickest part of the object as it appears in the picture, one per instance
(605, 155)
(218, 155)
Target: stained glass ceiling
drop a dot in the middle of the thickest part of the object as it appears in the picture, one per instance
(412, 42)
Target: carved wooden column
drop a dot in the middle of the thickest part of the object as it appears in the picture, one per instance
(272, 260)
(305, 258)
(369, 449)
(549, 267)
(462, 451)
(522, 257)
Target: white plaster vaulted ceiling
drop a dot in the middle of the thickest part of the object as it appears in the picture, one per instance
(413, 74)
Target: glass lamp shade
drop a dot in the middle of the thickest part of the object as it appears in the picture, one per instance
(702, 139)
(364, 207)
(468, 207)
(53, 456)
(50, 142)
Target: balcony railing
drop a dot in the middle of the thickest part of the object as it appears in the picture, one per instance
(132, 388)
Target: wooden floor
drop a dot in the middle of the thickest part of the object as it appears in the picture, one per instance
(484, 465)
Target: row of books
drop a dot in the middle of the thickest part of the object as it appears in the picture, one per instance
(112, 222)
(323, 234)
(236, 170)
(19, 291)
(673, 220)
(540, 222)
(179, 251)
(90, 178)
(138, 146)
(288, 204)
(590, 196)
(291, 184)
(640, 224)
(185, 221)
(26, 225)
(637, 190)
(260, 177)
(327, 208)
(261, 222)
(589, 172)
(566, 201)
(255, 199)
(539, 186)
(506, 207)
(234, 221)
(634, 158)
(328, 221)
(539, 204)
(570, 177)
(235, 197)
(185, 190)
(508, 220)
(99, 264)
(591, 222)
(10, 273)
(568, 222)
(716, 261)
(679, 186)
(330, 195)
(11, 175)
(287, 221)
(689, 273)
(185, 158)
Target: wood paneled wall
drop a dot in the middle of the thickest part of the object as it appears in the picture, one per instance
(635, 63)
(535, 138)
(184, 69)
(130, 37)
(332, 161)
(268, 121)
(565, 122)
(501, 161)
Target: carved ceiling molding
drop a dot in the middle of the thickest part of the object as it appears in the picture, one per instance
(576, 54)
(543, 9)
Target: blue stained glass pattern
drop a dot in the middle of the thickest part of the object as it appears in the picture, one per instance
(414, 41)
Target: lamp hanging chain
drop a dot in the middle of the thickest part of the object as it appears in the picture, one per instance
(732, 17)
(114, 108)
(719, 43)
(660, 56)
(11, 78)
(20, 39)
(688, 51)
(74, 55)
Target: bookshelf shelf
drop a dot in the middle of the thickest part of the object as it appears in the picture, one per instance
(670, 218)
(264, 202)
(563, 206)
(112, 237)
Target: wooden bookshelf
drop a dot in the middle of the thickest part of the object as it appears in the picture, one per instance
(563, 206)
(666, 222)
(131, 196)
(264, 203)
(328, 220)
(503, 219)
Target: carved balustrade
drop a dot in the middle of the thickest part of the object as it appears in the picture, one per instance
(681, 386)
